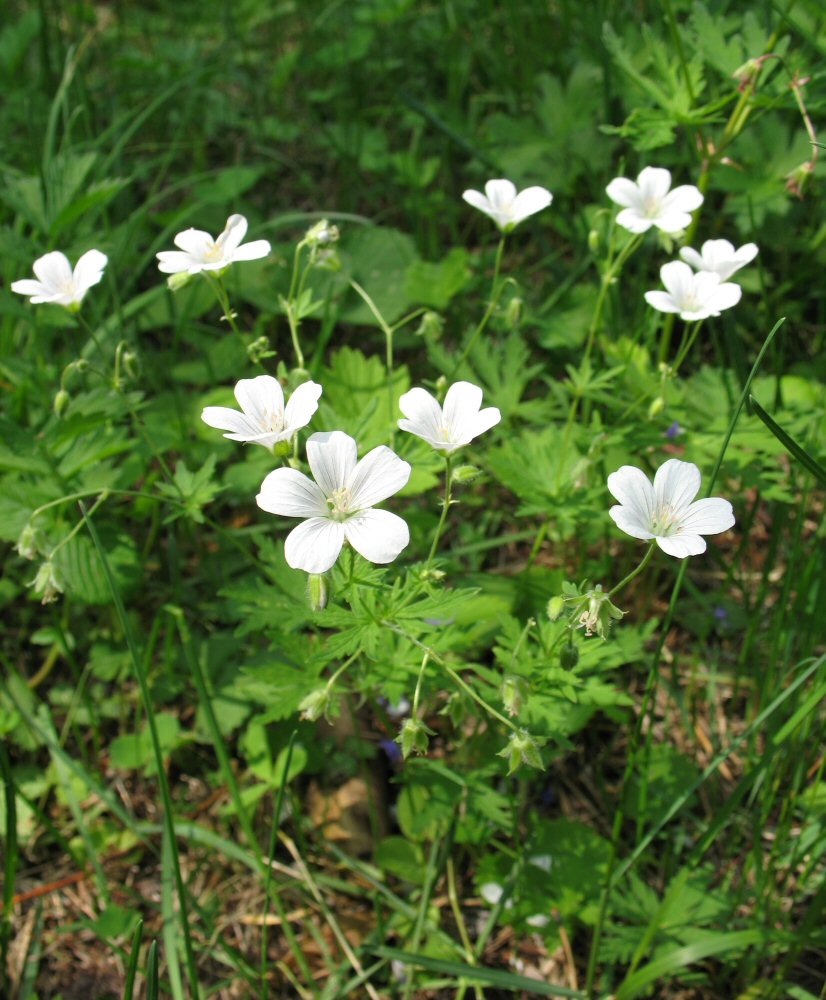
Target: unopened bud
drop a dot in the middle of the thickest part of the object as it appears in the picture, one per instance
(556, 606)
(568, 657)
(259, 349)
(30, 542)
(177, 281)
(413, 737)
(513, 692)
(747, 73)
(430, 326)
(48, 583)
(464, 474)
(317, 588)
(656, 408)
(522, 748)
(61, 402)
(798, 180)
(317, 703)
(594, 241)
(513, 312)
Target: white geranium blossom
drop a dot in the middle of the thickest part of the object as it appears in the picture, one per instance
(58, 283)
(719, 257)
(265, 420)
(507, 208)
(651, 202)
(453, 426)
(199, 252)
(665, 511)
(338, 506)
(694, 295)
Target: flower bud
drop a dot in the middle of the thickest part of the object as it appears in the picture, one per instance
(413, 737)
(317, 588)
(656, 408)
(798, 180)
(48, 582)
(513, 692)
(556, 606)
(513, 312)
(522, 748)
(321, 234)
(317, 703)
(61, 402)
(30, 542)
(259, 349)
(594, 241)
(747, 73)
(568, 657)
(464, 474)
(175, 282)
(430, 326)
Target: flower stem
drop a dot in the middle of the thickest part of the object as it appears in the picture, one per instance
(387, 330)
(495, 294)
(418, 690)
(635, 572)
(445, 507)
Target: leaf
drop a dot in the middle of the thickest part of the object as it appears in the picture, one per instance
(379, 259)
(194, 489)
(357, 398)
(806, 460)
(135, 752)
(82, 570)
(435, 285)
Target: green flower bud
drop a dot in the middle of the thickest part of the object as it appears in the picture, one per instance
(522, 748)
(317, 588)
(317, 703)
(259, 349)
(568, 657)
(464, 474)
(656, 408)
(177, 281)
(513, 692)
(594, 241)
(513, 312)
(556, 606)
(61, 402)
(31, 541)
(414, 737)
(430, 327)
(48, 583)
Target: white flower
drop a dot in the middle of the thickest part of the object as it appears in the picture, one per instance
(649, 202)
(719, 257)
(450, 428)
(265, 419)
(199, 252)
(507, 208)
(693, 295)
(58, 283)
(492, 892)
(339, 504)
(665, 511)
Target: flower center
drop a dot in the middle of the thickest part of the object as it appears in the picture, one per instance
(664, 521)
(272, 421)
(652, 208)
(339, 504)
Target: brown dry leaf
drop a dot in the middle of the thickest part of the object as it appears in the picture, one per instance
(342, 815)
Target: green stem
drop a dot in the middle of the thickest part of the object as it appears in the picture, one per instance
(445, 507)
(495, 294)
(685, 346)
(418, 691)
(635, 572)
(387, 330)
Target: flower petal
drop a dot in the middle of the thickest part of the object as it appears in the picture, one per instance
(501, 194)
(676, 484)
(314, 545)
(230, 239)
(654, 183)
(225, 419)
(685, 198)
(477, 200)
(631, 487)
(194, 242)
(629, 520)
(88, 271)
(529, 202)
(693, 259)
(252, 251)
(682, 545)
(332, 456)
(377, 535)
(379, 475)
(662, 301)
(707, 517)
(724, 297)
(623, 192)
(54, 270)
(290, 493)
(28, 286)
(301, 406)
(424, 415)
(630, 219)
(262, 400)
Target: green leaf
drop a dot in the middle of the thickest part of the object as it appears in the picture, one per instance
(379, 259)
(401, 858)
(194, 489)
(435, 285)
(806, 460)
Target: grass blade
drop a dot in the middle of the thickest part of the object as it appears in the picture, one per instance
(789, 443)
(132, 968)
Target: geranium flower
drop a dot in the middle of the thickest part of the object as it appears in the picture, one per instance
(693, 295)
(719, 257)
(650, 202)
(507, 208)
(665, 511)
(339, 504)
(265, 420)
(58, 283)
(199, 252)
(450, 428)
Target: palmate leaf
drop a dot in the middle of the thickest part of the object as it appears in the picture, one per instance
(193, 489)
